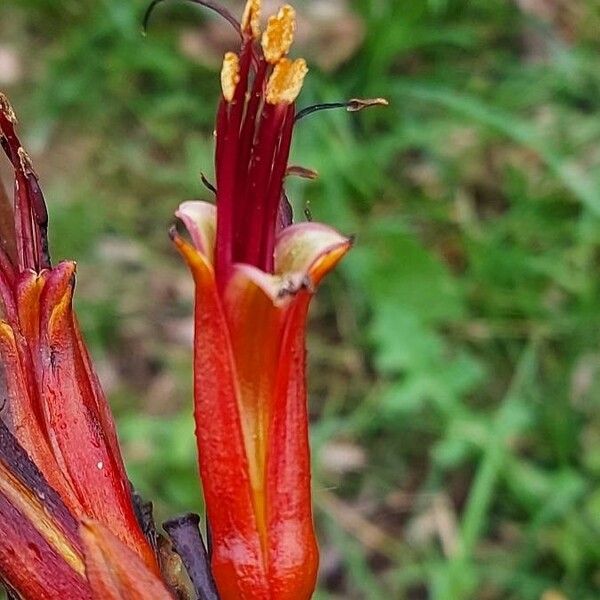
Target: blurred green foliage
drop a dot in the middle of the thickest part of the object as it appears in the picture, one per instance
(455, 355)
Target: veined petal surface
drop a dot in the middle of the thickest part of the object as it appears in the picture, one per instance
(20, 413)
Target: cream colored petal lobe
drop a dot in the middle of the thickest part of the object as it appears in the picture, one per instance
(200, 219)
(310, 249)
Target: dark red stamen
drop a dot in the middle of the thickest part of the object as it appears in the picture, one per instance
(273, 197)
(229, 120)
(247, 138)
(253, 142)
(263, 157)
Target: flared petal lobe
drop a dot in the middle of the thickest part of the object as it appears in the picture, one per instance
(200, 219)
(313, 249)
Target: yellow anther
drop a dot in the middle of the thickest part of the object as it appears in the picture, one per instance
(279, 34)
(286, 81)
(251, 18)
(230, 75)
(356, 104)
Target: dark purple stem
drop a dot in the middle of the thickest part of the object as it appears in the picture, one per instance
(187, 542)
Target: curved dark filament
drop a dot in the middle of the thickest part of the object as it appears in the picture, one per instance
(207, 184)
(353, 105)
(309, 110)
(215, 6)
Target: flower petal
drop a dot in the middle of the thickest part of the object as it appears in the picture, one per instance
(312, 249)
(278, 288)
(40, 549)
(28, 292)
(100, 402)
(255, 324)
(267, 338)
(80, 445)
(22, 415)
(236, 552)
(114, 571)
(8, 309)
(200, 219)
(293, 554)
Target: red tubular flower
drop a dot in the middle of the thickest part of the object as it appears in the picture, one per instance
(53, 403)
(255, 274)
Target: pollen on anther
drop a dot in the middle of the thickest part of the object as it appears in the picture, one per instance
(251, 18)
(279, 34)
(286, 81)
(230, 75)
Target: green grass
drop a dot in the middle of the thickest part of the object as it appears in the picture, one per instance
(457, 350)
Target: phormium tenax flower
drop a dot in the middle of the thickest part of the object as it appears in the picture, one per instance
(255, 273)
(68, 528)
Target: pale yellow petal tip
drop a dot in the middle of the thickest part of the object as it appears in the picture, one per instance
(230, 75)
(326, 263)
(198, 264)
(251, 18)
(279, 34)
(286, 81)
